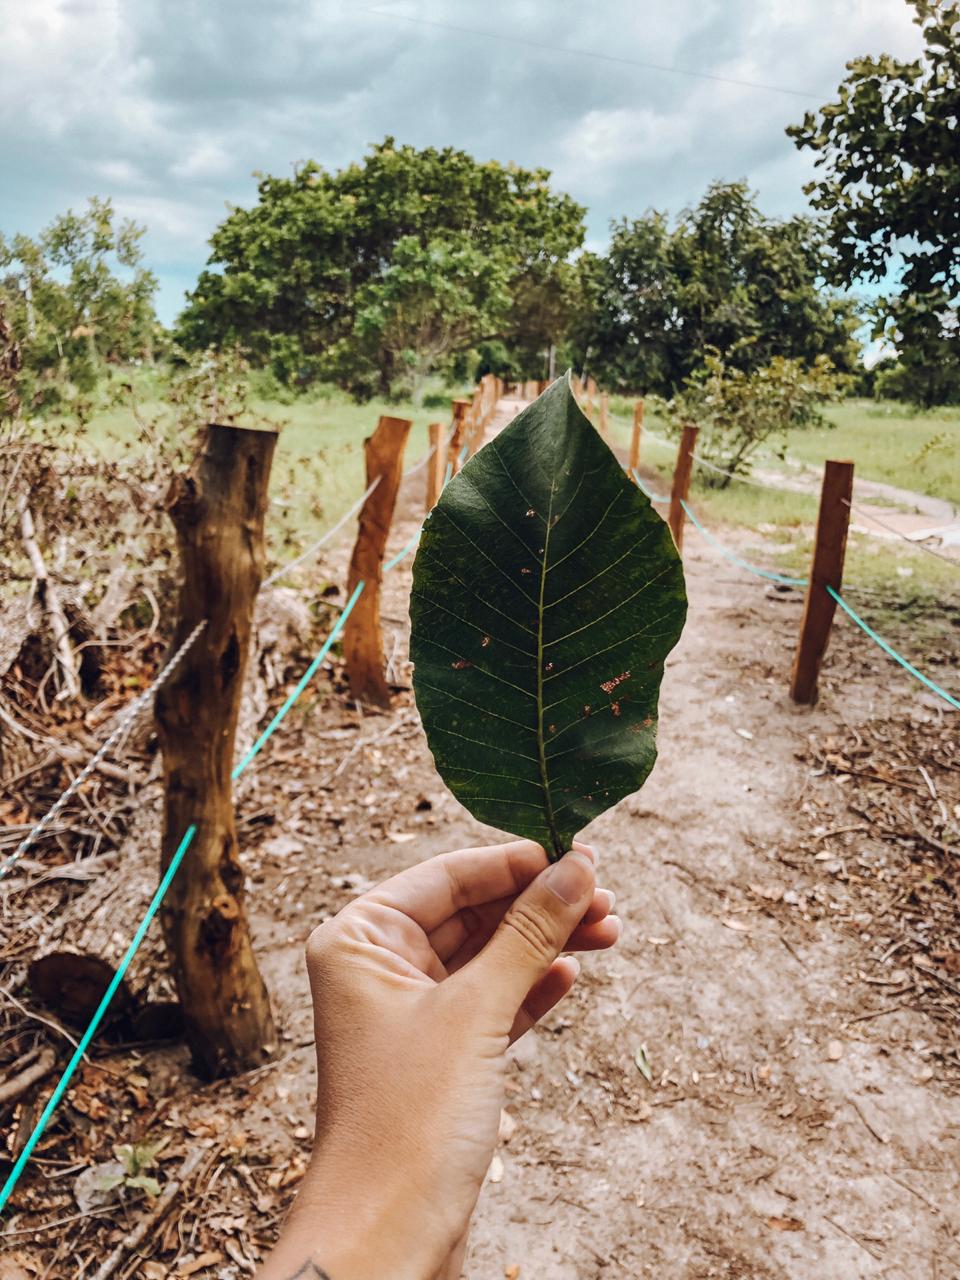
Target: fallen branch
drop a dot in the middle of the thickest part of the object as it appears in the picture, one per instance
(50, 599)
(19, 1084)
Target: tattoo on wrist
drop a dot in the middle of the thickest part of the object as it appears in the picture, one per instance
(310, 1271)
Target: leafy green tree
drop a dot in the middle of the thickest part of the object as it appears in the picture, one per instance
(724, 277)
(738, 412)
(77, 298)
(888, 151)
(328, 275)
(428, 304)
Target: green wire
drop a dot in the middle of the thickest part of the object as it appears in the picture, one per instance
(95, 1021)
(907, 666)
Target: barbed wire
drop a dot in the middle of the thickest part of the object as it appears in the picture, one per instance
(919, 546)
(144, 699)
(123, 723)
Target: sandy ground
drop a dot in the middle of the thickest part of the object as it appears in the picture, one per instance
(777, 1138)
(785, 1130)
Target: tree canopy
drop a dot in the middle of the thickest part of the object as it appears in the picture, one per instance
(76, 298)
(379, 272)
(888, 151)
(723, 278)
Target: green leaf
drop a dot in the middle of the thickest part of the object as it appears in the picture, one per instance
(143, 1182)
(547, 593)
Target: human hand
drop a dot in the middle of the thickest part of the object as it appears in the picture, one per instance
(419, 987)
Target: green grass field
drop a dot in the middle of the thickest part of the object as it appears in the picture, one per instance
(888, 442)
(318, 469)
(909, 596)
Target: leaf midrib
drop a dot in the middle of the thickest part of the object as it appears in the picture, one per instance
(541, 745)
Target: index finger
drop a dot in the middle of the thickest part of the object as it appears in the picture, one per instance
(432, 891)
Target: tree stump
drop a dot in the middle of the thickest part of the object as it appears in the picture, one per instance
(218, 510)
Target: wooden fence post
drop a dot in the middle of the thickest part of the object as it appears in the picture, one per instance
(457, 440)
(635, 438)
(604, 413)
(436, 463)
(833, 520)
(218, 510)
(362, 639)
(681, 482)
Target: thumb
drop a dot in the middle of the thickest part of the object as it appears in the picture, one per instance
(533, 932)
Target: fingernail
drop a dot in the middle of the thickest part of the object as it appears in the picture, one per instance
(611, 898)
(588, 849)
(572, 878)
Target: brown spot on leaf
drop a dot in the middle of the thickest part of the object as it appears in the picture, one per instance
(586, 710)
(552, 728)
(484, 642)
(461, 664)
(615, 708)
(608, 686)
(531, 512)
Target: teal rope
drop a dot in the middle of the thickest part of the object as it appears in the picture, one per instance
(301, 683)
(888, 649)
(654, 497)
(154, 906)
(95, 1021)
(744, 564)
(392, 564)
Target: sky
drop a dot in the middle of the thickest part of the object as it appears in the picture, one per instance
(168, 107)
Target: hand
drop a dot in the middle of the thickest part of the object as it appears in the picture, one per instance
(419, 987)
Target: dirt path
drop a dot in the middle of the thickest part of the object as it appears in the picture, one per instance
(801, 1120)
(884, 510)
(779, 1136)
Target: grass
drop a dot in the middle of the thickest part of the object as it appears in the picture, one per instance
(318, 469)
(909, 597)
(888, 442)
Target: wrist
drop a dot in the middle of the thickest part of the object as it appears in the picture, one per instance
(355, 1224)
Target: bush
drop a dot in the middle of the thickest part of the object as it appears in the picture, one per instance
(737, 412)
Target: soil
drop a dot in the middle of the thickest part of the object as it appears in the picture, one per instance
(761, 1082)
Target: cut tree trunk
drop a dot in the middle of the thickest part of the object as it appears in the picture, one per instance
(218, 509)
(362, 638)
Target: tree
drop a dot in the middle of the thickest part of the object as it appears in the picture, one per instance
(76, 298)
(737, 412)
(429, 303)
(889, 154)
(329, 274)
(724, 277)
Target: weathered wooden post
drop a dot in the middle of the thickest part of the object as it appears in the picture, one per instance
(681, 482)
(218, 510)
(362, 640)
(604, 413)
(457, 439)
(833, 521)
(635, 438)
(436, 463)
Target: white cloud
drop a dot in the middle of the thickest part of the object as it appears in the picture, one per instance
(168, 106)
(205, 159)
(601, 146)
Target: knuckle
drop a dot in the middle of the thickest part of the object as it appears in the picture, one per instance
(533, 926)
(320, 943)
